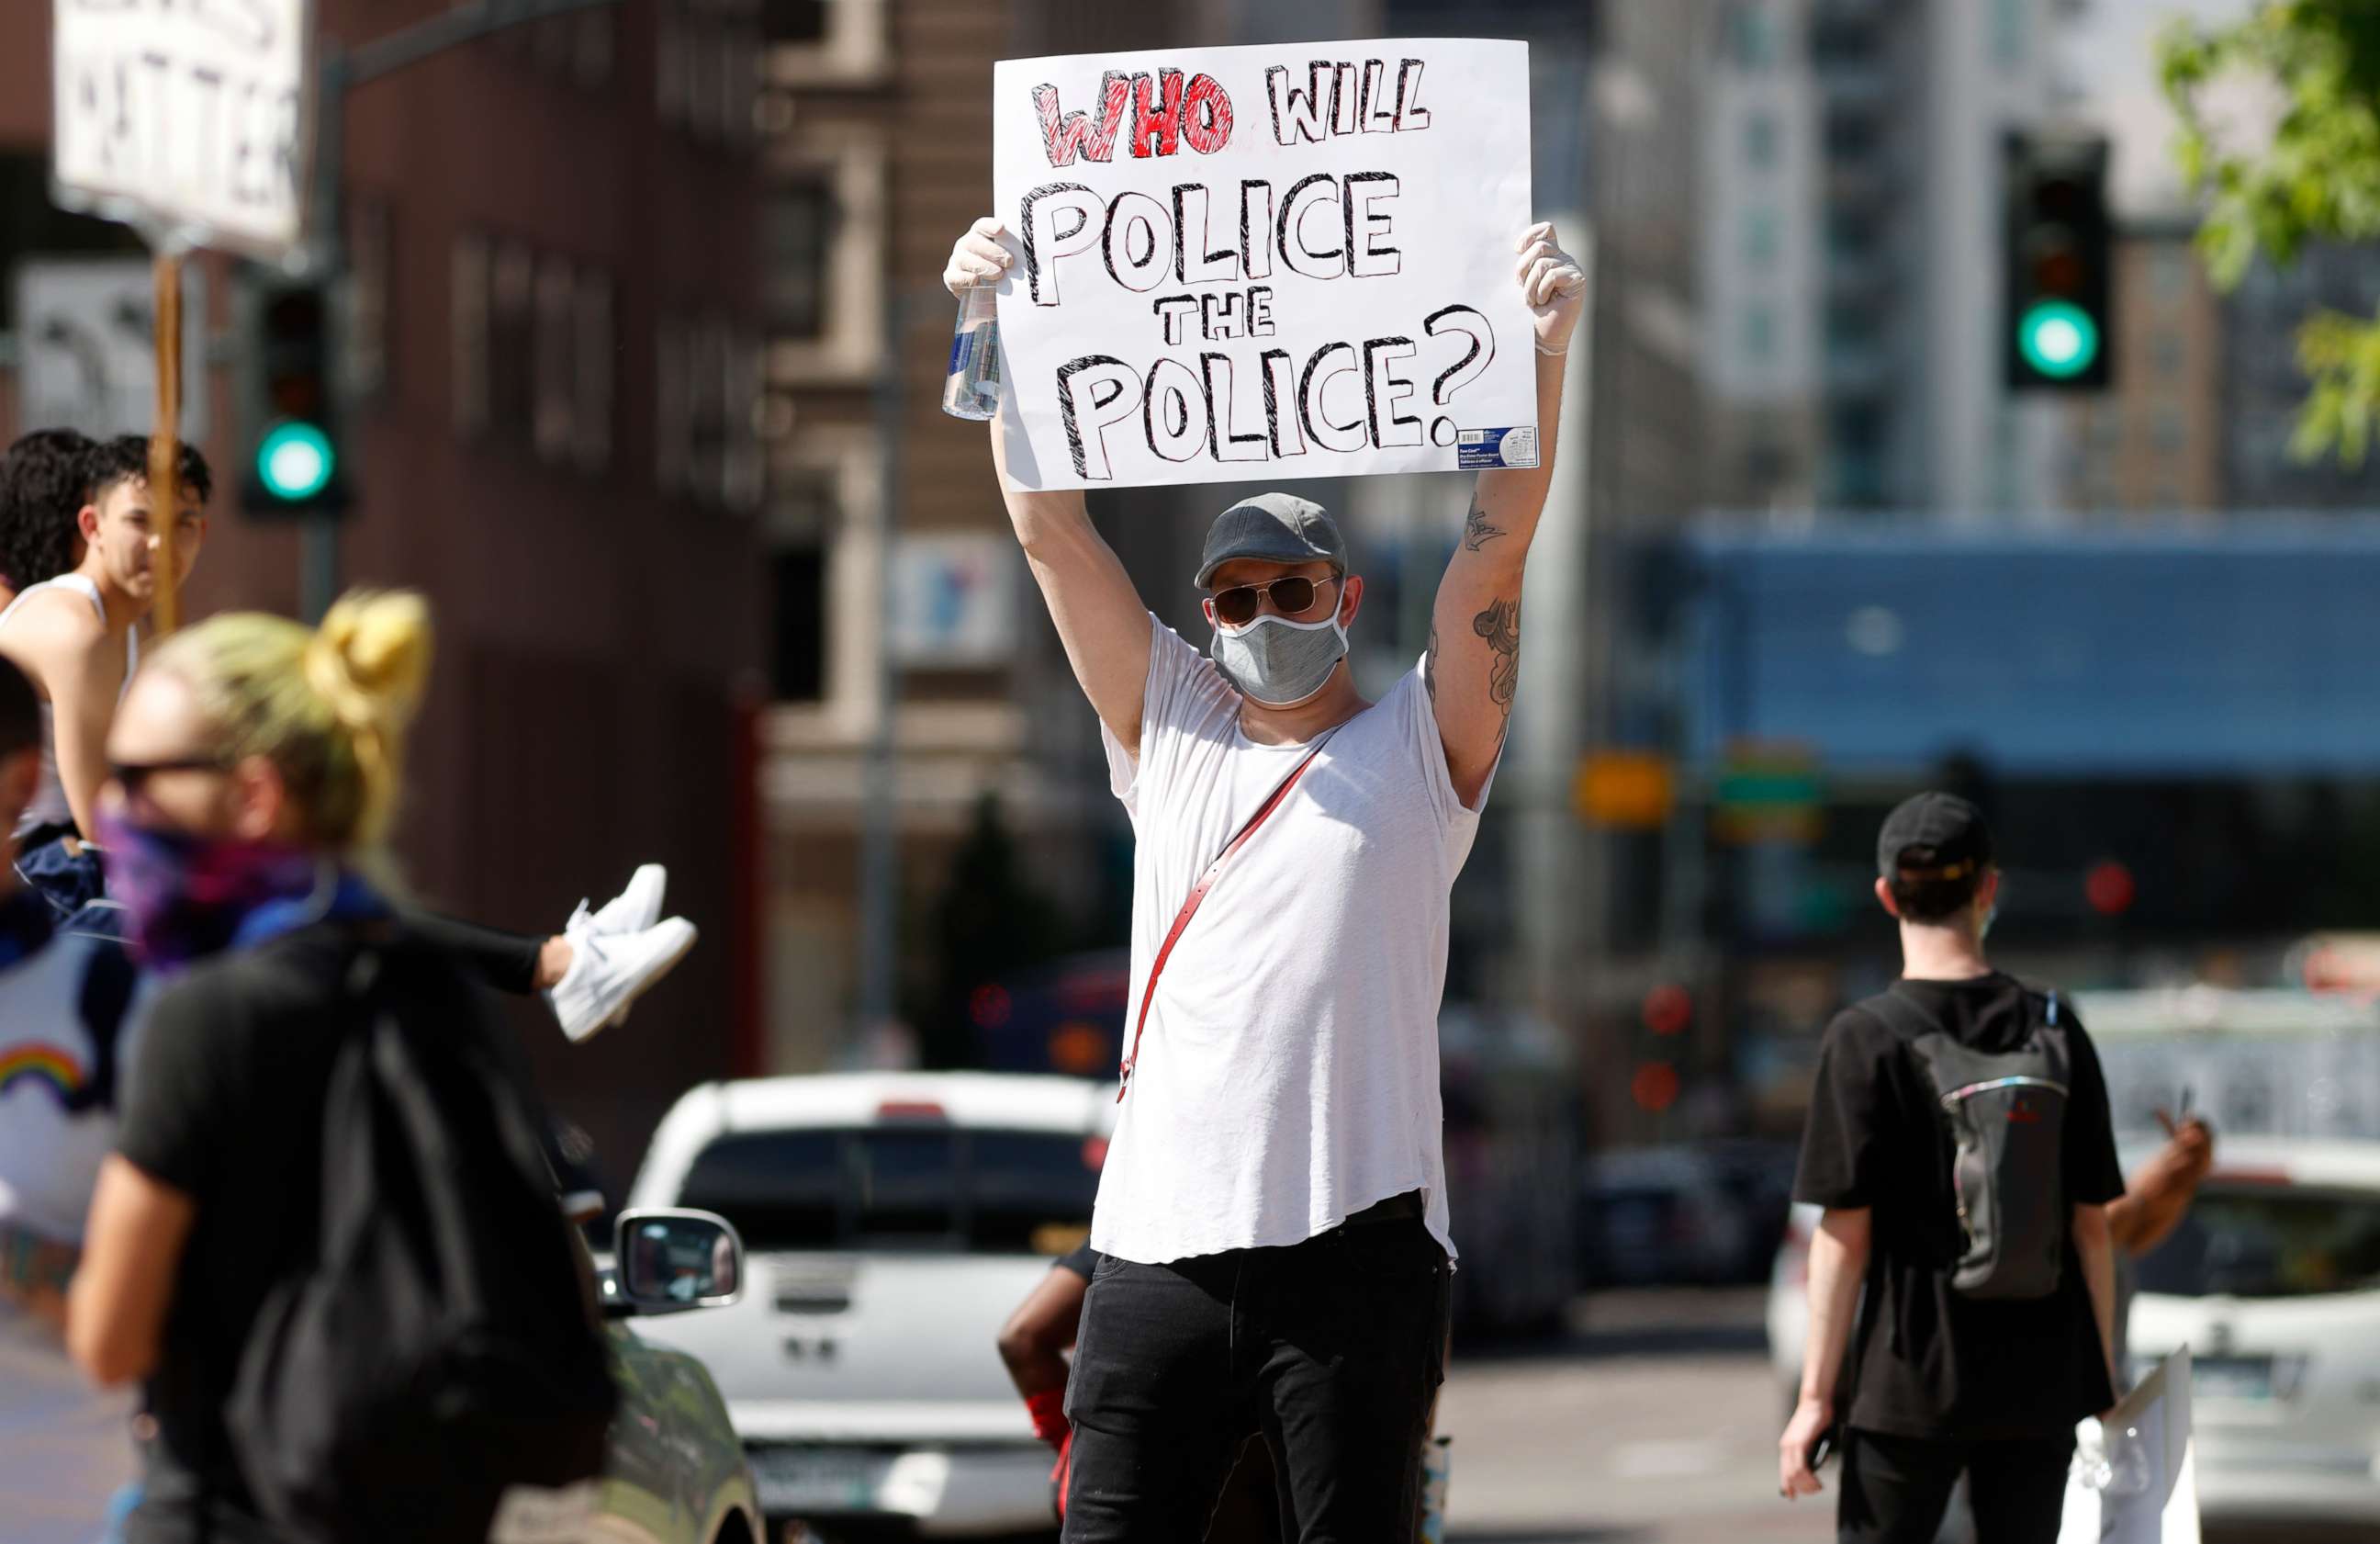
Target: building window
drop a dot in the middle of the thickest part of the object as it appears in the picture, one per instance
(1760, 333)
(1851, 236)
(468, 281)
(534, 353)
(1760, 140)
(2166, 431)
(826, 42)
(797, 235)
(802, 517)
(792, 21)
(2007, 33)
(581, 49)
(1752, 33)
(592, 324)
(706, 436)
(824, 256)
(2165, 351)
(707, 63)
(1760, 242)
(512, 341)
(1853, 137)
(369, 248)
(2169, 271)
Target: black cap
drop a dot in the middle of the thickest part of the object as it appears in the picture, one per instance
(1934, 836)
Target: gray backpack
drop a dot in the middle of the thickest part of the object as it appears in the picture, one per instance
(2006, 1117)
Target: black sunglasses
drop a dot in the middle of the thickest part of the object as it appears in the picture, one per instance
(1236, 607)
(132, 776)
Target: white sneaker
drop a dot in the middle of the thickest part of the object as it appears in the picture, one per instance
(632, 910)
(608, 971)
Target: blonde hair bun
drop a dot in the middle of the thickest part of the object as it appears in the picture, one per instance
(370, 657)
(327, 705)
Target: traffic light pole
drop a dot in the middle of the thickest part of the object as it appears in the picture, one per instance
(337, 71)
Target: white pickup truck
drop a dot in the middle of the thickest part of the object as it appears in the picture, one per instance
(892, 1223)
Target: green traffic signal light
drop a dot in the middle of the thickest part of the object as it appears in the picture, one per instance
(294, 461)
(2057, 340)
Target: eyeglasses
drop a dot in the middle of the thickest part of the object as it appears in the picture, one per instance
(132, 776)
(1292, 596)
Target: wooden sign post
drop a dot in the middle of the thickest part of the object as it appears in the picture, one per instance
(165, 444)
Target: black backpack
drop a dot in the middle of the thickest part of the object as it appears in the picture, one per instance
(444, 1345)
(2006, 1117)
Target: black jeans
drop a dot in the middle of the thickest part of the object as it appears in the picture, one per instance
(1332, 1348)
(1895, 1489)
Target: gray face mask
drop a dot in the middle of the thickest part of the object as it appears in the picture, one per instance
(1278, 662)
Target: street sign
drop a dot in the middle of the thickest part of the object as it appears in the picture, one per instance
(192, 120)
(953, 602)
(1629, 790)
(86, 330)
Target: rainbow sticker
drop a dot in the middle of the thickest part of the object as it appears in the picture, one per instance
(44, 1064)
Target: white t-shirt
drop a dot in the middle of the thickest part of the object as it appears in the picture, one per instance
(1288, 1076)
(49, 1157)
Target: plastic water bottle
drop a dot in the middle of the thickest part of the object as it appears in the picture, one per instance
(973, 389)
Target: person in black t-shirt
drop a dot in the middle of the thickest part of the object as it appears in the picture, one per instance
(1921, 1381)
(255, 767)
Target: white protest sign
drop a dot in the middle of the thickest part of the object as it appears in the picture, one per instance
(187, 116)
(1277, 261)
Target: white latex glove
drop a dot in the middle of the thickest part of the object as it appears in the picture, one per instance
(1554, 285)
(978, 258)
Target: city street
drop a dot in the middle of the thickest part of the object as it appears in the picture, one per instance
(1653, 1422)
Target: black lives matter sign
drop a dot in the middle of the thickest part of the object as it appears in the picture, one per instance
(1264, 261)
(187, 115)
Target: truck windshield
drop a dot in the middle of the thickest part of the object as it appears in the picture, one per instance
(2269, 1241)
(927, 1187)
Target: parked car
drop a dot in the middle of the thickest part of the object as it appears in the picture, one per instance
(2273, 1280)
(894, 1221)
(1657, 1217)
(674, 1473)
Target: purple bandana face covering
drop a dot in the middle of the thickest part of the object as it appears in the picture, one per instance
(185, 896)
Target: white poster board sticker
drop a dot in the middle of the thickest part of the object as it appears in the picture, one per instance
(1279, 262)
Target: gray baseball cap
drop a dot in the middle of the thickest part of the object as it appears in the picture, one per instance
(1278, 528)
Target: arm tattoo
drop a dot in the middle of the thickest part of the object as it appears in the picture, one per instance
(1501, 625)
(1477, 531)
(1430, 666)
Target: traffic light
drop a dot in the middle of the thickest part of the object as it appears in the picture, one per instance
(2058, 256)
(295, 464)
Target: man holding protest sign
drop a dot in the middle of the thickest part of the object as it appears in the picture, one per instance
(1272, 1214)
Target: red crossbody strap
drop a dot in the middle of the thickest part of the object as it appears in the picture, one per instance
(1197, 895)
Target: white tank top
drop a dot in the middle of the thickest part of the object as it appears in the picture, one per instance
(51, 806)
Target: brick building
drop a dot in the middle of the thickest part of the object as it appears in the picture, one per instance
(555, 250)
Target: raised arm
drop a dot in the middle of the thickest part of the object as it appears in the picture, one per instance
(1101, 620)
(1475, 638)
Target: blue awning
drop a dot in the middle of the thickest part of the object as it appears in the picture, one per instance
(2244, 650)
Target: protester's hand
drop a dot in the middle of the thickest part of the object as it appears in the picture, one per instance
(978, 258)
(1794, 1480)
(1553, 284)
(2191, 1143)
